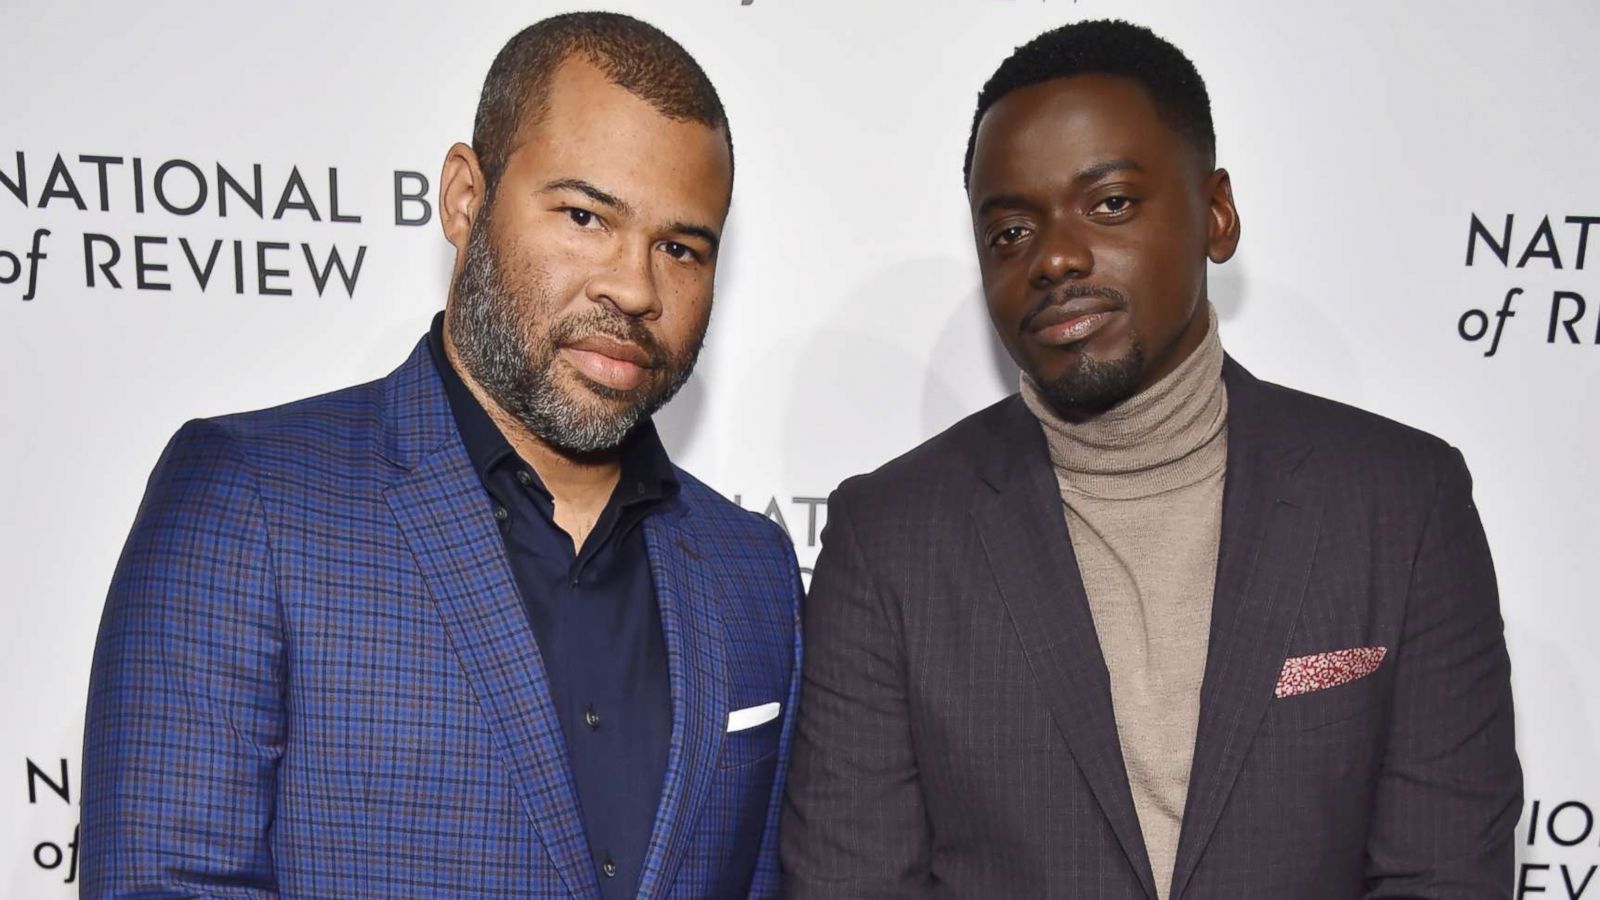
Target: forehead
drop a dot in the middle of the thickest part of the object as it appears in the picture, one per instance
(1053, 129)
(594, 130)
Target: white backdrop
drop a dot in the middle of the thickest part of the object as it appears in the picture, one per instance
(849, 326)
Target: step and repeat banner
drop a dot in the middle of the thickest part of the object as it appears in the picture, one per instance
(207, 208)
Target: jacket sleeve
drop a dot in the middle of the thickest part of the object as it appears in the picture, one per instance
(185, 723)
(1450, 791)
(854, 823)
(766, 881)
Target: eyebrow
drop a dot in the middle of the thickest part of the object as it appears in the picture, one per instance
(1091, 173)
(1100, 170)
(606, 198)
(1000, 201)
(700, 231)
(592, 192)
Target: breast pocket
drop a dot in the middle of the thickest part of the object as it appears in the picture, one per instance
(750, 745)
(1328, 706)
(1320, 708)
(1327, 687)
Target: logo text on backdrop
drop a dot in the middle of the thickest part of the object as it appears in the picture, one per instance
(179, 189)
(1542, 248)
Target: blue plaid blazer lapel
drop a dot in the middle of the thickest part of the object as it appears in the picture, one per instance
(696, 669)
(438, 503)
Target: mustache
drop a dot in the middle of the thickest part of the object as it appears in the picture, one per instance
(576, 327)
(1067, 293)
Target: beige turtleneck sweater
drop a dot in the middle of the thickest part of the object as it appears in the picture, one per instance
(1141, 485)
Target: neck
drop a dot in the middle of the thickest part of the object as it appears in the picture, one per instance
(1164, 436)
(1201, 327)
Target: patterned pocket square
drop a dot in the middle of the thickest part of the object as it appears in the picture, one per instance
(1320, 671)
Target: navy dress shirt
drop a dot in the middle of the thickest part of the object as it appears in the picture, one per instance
(595, 617)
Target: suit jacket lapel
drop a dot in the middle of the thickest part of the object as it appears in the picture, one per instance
(1270, 523)
(1025, 538)
(440, 509)
(696, 672)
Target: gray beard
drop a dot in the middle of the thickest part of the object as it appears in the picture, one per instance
(514, 364)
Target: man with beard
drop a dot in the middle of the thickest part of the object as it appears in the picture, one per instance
(466, 631)
(1151, 628)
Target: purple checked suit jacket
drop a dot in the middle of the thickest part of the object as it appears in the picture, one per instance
(956, 735)
(315, 677)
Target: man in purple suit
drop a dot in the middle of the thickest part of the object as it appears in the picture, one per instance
(466, 631)
(1151, 628)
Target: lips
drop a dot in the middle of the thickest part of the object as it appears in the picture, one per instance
(616, 364)
(606, 345)
(1073, 321)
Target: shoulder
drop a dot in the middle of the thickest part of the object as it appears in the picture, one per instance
(1364, 463)
(312, 448)
(318, 441)
(304, 433)
(1344, 436)
(946, 471)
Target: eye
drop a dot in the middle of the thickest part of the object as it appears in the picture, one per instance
(581, 217)
(680, 252)
(1115, 206)
(1005, 237)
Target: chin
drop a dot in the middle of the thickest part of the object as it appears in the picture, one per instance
(1076, 359)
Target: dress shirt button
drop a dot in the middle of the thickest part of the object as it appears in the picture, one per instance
(639, 488)
(591, 719)
(524, 477)
(500, 514)
(609, 867)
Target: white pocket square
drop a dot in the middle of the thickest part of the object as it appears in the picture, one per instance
(750, 717)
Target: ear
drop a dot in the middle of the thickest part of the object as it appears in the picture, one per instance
(1222, 235)
(461, 195)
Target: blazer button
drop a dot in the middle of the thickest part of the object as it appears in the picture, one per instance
(591, 718)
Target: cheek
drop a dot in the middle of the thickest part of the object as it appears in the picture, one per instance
(1005, 313)
(541, 282)
(534, 298)
(1159, 284)
(547, 243)
(1006, 293)
(685, 313)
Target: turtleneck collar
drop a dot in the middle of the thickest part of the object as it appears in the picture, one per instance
(1168, 436)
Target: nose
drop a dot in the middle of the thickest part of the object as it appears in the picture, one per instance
(627, 282)
(1063, 255)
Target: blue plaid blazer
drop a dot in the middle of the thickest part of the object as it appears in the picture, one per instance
(314, 676)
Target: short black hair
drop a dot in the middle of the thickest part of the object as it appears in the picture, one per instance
(634, 55)
(1107, 47)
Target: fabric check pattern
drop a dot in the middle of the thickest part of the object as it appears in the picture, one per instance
(315, 676)
(958, 736)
